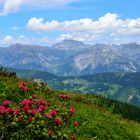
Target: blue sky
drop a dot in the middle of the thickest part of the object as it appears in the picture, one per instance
(46, 22)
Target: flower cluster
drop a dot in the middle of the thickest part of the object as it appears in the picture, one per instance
(4, 109)
(23, 86)
(50, 120)
(64, 97)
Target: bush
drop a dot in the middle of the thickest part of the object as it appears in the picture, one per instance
(34, 118)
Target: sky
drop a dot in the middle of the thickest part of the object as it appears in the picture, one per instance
(46, 22)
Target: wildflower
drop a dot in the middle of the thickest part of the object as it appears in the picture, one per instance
(41, 108)
(58, 121)
(26, 108)
(50, 132)
(27, 102)
(74, 137)
(53, 113)
(16, 111)
(8, 110)
(72, 110)
(22, 84)
(34, 96)
(33, 111)
(62, 96)
(41, 102)
(75, 123)
(25, 89)
(6, 102)
(2, 109)
(30, 119)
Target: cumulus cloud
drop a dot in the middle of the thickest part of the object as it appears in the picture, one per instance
(10, 6)
(109, 22)
(6, 40)
(38, 25)
(109, 26)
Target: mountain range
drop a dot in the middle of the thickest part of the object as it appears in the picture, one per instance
(73, 58)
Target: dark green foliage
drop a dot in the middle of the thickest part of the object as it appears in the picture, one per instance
(5, 73)
(126, 110)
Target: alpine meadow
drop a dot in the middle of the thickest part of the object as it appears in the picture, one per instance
(69, 70)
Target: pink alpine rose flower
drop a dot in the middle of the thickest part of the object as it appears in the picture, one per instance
(6, 102)
(58, 121)
(27, 102)
(26, 108)
(72, 110)
(53, 113)
(16, 111)
(25, 89)
(30, 119)
(74, 137)
(34, 96)
(41, 108)
(50, 132)
(2, 109)
(33, 111)
(75, 123)
(63, 96)
(41, 102)
(8, 110)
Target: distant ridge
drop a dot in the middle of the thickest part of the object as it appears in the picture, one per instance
(73, 58)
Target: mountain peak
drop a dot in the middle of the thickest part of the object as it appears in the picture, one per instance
(69, 44)
(70, 41)
(16, 45)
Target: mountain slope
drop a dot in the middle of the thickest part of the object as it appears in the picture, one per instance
(94, 113)
(73, 58)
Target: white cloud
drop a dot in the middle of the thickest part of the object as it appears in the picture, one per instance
(15, 28)
(109, 22)
(38, 25)
(109, 27)
(10, 6)
(44, 40)
(47, 3)
(8, 40)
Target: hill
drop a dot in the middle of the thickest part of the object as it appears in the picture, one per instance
(119, 86)
(97, 116)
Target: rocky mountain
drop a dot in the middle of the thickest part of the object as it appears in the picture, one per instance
(72, 57)
(70, 45)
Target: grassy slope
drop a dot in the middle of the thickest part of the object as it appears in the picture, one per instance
(101, 123)
(97, 120)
